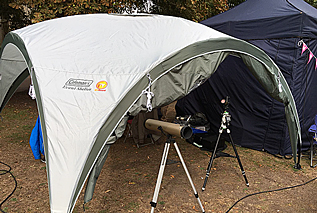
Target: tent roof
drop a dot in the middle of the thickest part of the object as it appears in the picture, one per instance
(90, 70)
(86, 40)
(260, 19)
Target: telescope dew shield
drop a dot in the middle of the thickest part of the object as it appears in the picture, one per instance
(173, 129)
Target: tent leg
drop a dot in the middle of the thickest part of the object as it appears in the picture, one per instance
(312, 152)
(161, 171)
(299, 154)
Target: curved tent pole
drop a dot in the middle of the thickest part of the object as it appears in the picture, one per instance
(15, 40)
(217, 49)
(135, 98)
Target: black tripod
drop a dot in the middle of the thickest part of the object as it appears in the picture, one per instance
(168, 142)
(225, 122)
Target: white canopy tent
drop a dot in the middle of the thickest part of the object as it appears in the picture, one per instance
(90, 71)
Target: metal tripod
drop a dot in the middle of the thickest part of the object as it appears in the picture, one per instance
(225, 122)
(168, 142)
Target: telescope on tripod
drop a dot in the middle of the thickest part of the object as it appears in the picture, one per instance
(224, 126)
(170, 129)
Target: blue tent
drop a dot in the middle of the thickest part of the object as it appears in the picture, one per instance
(280, 28)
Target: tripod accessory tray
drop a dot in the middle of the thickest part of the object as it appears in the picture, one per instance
(207, 141)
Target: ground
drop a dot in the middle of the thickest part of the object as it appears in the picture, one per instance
(128, 178)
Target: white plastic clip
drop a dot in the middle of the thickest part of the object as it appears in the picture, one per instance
(280, 87)
(279, 82)
(149, 94)
(32, 92)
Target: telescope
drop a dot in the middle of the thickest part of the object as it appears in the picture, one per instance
(173, 129)
(176, 130)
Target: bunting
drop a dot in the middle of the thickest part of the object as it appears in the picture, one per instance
(311, 54)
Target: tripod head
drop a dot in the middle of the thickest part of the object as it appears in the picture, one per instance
(226, 117)
(225, 103)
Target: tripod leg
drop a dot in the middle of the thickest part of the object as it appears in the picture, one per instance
(160, 176)
(211, 161)
(239, 161)
(188, 175)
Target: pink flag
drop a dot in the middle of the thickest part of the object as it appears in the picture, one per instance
(316, 64)
(304, 47)
(311, 55)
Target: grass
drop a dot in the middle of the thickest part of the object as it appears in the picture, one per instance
(225, 186)
(132, 206)
(19, 131)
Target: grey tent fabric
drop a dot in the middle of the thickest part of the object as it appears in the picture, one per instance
(205, 64)
(94, 174)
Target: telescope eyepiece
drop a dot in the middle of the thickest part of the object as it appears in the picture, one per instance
(225, 102)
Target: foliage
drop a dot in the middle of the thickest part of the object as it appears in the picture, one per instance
(39, 10)
(195, 10)
(17, 17)
(43, 10)
(312, 3)
(189, 9)
(20, 13)
(233, 3)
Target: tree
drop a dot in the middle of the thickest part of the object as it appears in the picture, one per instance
(196, 10)
(312, 3)
(19, 13)
(188, 9)
(11, 18)
(49, 9)
(233, 3)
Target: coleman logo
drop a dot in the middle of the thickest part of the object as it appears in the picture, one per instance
(101, 86)
(78, 84)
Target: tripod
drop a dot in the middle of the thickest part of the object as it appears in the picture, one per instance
(225, 122)
(168, 142)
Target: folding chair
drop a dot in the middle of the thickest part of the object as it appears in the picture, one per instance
(129, 129)
(313, 132)
(136, 141)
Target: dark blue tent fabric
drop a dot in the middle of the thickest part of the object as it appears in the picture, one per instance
(258, 121)
(263, 19)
